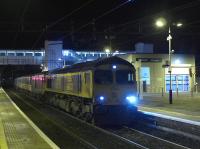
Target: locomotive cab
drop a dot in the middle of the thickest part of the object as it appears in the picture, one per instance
(115, 92)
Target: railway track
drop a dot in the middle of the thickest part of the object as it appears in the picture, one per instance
(174, 132)
(88, 136)
(146, 139)
(74, 132)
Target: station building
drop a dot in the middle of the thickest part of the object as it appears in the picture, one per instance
(152, 72)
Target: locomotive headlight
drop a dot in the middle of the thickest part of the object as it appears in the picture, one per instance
(114, 67)
(101, 98)
(131, 99)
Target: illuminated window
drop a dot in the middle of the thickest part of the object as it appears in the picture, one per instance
(145, 74)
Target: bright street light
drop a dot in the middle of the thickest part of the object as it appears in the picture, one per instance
(107, 50)
(179, 24)
(161, 22)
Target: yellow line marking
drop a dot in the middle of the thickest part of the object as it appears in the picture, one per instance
(47, 139)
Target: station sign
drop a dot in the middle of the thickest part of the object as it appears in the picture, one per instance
(149, 59)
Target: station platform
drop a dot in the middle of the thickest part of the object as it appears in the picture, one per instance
(184, 107)
(17, 131)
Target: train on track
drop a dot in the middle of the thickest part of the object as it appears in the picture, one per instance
(103, 91)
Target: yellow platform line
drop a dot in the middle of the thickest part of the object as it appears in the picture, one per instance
(3, 142)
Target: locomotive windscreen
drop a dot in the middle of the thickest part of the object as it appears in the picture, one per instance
(124, 77)
(103, 76)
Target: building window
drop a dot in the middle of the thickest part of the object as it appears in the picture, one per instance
(11, 54)
(28, 54)
(145, 74)
(2, 54)
(38, 54)
(19, 54)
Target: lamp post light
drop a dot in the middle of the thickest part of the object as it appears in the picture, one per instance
(107, 51)
(161, 22)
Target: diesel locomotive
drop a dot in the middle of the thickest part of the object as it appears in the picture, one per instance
(103, 91)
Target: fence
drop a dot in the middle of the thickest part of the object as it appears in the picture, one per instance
(21, 60)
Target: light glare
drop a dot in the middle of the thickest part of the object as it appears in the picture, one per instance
(101, 98)
(107, 50)
(177, 61)
(131, 99)
(114, 66)
(179, 24)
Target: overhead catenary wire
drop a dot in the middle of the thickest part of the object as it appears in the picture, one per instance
(21, 21)
(59, 20)
(97, 18)
(178, 8)
(69, 14)
(175, 9)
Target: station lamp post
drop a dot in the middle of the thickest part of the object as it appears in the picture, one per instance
(161, 22)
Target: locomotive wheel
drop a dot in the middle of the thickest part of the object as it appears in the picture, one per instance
(88, 117)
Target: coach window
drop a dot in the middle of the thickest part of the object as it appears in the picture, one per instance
(124, 76)
(103, 77)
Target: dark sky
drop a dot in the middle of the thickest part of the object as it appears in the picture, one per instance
(27, 23)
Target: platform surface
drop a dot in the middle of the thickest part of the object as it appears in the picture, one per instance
(17, 131)
(185, 107)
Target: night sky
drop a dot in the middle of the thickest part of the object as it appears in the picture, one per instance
(94, 24)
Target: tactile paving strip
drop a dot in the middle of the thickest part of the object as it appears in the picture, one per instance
(19, 134)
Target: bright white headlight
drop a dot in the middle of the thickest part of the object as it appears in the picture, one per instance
(101, 98)
(131, 99)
